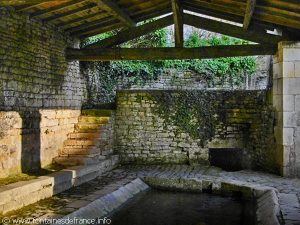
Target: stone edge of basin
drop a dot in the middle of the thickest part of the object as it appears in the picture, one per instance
(110, 202)
(17, 195)
(266, 198)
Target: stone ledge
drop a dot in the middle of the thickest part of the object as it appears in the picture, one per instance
(267, 207)
(106, 204)
(23, 193)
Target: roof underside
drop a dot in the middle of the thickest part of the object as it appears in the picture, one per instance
(85, 18)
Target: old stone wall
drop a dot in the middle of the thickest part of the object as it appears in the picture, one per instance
(40, 93)
(188, 80)
(286, 101)
(182, 126)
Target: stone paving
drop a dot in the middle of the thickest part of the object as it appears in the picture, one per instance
(77, 197)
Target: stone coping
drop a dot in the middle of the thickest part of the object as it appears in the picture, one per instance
(17, 195)
(266, 198)
(110, 202)
(200, 90)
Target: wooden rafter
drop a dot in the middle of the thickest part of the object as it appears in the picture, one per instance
(70, 12)
(109, 54)
(178, 22)
(87, 25)
(55, 8)
(69, 23)
(249, 13)
(20, 2)
(98, 30)
(258, 34)
(132, 33)
(29, 6)
(115, 24)
(113, 8)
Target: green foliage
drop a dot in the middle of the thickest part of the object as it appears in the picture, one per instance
(213, 71)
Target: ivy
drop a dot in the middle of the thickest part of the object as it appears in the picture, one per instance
(214, 71)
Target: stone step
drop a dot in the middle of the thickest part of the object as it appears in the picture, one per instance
(89, 128)
(97, 112)
(82, 136)
(93, 120)
(107, 152)
(67, 160)
(81, 151)
(80, 142)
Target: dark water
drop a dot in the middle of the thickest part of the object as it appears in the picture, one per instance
(156, 207)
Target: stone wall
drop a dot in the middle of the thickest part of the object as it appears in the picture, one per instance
(189, 80)
(166, 127)
(40, 93)
(286, 100)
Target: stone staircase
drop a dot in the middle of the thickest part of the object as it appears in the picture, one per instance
(91, 142)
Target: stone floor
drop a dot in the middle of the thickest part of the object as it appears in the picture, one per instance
(73, 199)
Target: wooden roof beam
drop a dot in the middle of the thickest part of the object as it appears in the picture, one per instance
(55, 8)
(249, 13)
(112, 7)
(178, 23)
(132, 33)
(257, 34)
(109, 54)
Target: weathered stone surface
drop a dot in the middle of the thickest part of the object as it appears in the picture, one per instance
(40, 92)
(244, 121)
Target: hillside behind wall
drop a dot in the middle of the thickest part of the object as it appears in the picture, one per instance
(40, 93)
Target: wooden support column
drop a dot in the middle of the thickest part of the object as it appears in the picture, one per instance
(249, 13)
(178, 23)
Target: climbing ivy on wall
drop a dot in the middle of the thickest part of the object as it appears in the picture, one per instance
(213, 71)
(184, 109)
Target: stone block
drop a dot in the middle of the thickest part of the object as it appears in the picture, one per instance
(297, 103)
(291, 86)
(291, 54)
(288, 69)
(288, 103)
(297, 68)
(288, 136)
(289, 119)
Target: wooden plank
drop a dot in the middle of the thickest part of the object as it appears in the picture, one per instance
(70, 12)
(178, 23)
(168, 53)
(255, 34)
(20, 2)
(55, 8)
(249, 12)
(115, 24)
(132, 33)
(29, 6)
(112, 7)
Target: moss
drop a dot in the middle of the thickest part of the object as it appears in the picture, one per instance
(97, 112)
(30, 176)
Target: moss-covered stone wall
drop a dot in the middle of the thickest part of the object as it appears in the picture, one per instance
(181, 126)
(40, 92)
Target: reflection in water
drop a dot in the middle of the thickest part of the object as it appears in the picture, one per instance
(156, 207)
